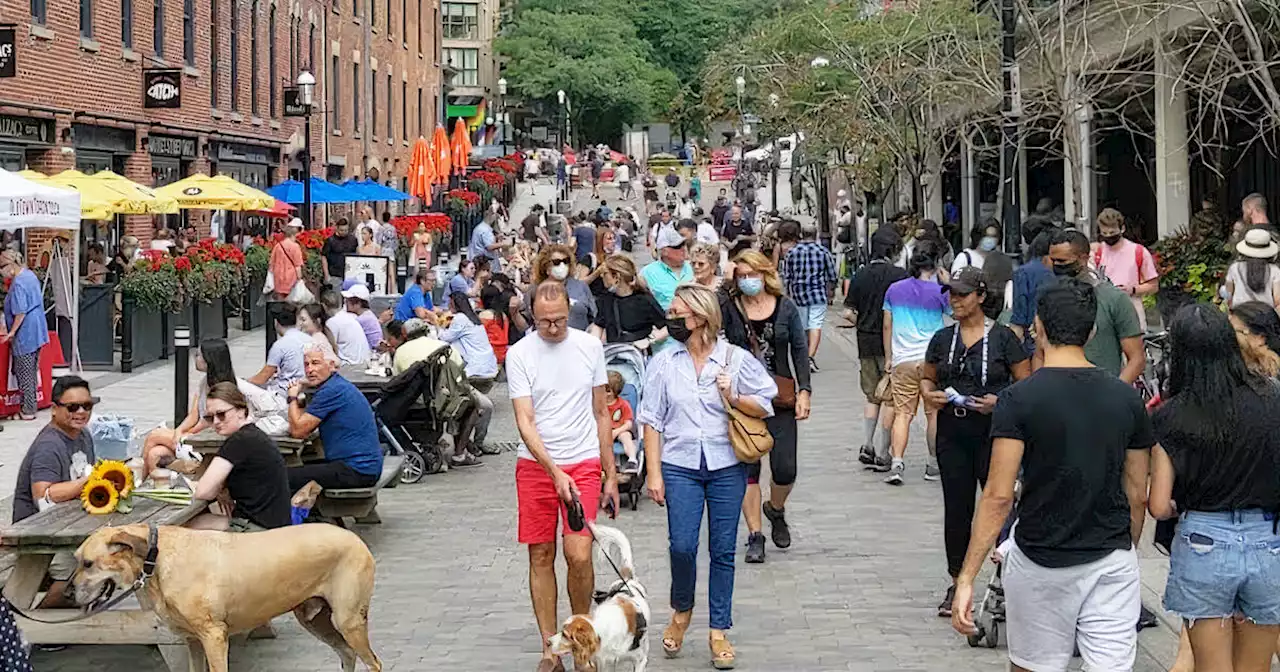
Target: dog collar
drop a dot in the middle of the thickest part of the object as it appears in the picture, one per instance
(153, 552)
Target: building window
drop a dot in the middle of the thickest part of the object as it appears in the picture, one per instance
(293, 48)
(460, 22)
(126, 23)
(422, 28)
(390, 128)
(311, 51)
(404, 22)
(355, 97)
(189, 32)
(388, 19)
(373, 14)
(39, 11)
(373, 104)
(467, 64)
(420, 111)
(214, 59)
(272, 83)
(253, 58)
(235, 56)
(157, 28)
(334, 78)
(404, 110)
(86, 19)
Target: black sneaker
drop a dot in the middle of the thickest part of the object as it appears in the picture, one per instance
(881, 465)
(464, 460)
(755, 548)
(867, 455)
(813, 365)
(944, 607)
(781, 533)
(1146, 618)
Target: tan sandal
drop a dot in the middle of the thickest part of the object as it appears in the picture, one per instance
(722, 655)
(673, 636)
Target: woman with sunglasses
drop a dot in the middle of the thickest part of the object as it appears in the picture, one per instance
(555, 264)
(214, 359)
(966, 365)
(248, 466)
(704, 258)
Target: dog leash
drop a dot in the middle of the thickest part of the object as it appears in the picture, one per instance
(148, 570)
(577, 521)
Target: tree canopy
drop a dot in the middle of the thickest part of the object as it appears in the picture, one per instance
(621, 61)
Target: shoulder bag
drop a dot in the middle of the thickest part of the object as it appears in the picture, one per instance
(749, 436)
(786, 386)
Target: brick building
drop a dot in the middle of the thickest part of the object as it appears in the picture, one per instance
(78, 98)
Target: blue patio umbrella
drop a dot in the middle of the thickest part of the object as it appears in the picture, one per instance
(372, 191)
(290, 191)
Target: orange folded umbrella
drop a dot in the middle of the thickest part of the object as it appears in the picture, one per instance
(461, 146)
(441, 154)
(422, 171)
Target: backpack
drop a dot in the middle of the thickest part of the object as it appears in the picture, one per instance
(1137, 259)
(453, 391)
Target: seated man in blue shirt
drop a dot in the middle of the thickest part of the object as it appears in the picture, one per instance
(416, 301)
(353, 457)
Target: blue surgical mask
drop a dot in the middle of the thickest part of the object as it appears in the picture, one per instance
(751, 286)
(988, 243)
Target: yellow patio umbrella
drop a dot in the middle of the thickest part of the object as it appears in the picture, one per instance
(440, 153)
(156, 204)
(32, 174)
(100, 197)
(422, 171)
(201, 192)
(461, 146)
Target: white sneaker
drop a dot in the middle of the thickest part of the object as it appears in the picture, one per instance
(895, 473)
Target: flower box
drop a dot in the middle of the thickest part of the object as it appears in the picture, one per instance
(142, 334)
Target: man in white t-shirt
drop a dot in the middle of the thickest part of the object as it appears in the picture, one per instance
(353, 344)
(557, 382)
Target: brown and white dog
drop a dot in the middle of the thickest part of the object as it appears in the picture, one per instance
(617, 629)
(209, 585)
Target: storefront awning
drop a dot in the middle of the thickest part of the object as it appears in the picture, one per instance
(462, 110)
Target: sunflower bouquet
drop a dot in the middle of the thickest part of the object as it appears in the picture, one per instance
(110, 490)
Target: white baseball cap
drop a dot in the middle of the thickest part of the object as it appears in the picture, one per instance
(669, 237)
(357, 291)
(295, 223)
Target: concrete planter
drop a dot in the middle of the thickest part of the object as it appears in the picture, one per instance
(143, 335)
(97, 340)
(253, 315)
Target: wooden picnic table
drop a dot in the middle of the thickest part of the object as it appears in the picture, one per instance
(64, 527)
(294, 451)
(368, 384)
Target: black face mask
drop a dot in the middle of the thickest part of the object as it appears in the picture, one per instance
(1112, 240)
(677, 329)
(1068, 270)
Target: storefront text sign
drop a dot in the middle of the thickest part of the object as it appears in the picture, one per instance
(8, 52)
(162, 88)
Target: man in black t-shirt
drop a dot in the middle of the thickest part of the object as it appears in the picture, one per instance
(866, 301)
(335, 251)
(1082, 438)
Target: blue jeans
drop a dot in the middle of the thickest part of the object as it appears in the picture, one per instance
(1225, 563)
(688, 491)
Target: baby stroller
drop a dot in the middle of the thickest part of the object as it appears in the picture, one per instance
(990, 613)
(629, 363)
(408, 423)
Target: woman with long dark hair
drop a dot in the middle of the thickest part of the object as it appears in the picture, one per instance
(1258, 332)
(1218, 457)
(214, 359)
(1255, 276)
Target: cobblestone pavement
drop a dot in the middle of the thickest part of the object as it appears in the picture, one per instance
(857, 590)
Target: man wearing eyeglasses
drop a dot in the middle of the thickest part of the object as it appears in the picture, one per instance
(57, 466)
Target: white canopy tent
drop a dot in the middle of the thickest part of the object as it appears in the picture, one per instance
(24, 205)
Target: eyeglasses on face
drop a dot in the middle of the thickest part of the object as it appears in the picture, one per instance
(557, 323)
(77, 406)
(219, 416)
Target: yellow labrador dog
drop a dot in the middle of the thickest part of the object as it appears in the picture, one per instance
(209, 585)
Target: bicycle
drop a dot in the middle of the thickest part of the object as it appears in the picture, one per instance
(1150, 383)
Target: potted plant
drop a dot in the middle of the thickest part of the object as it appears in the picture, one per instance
(312, 267)
(1191, 266)
(256, 260)
(217, 271)
(151, 289)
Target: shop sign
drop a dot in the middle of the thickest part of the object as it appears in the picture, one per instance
(26, 129)
(228, 151)
(162, 88)
(172, 145)
(293, 106)
(8, 51)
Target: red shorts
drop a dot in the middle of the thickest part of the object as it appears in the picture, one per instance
(539, 505)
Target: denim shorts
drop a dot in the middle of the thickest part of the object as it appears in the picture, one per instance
(813, 316)
(1223, 564)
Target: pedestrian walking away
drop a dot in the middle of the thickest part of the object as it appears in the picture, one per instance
(966, 367)
(810, 273)
(691, 465)
(1070, 569)
(913, 312)
(866, 300)
(775, 335)
(557, 382)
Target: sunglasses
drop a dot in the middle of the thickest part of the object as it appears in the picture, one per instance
(559, 262)
(77, 407)
(217, 415)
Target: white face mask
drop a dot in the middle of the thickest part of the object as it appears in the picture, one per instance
(560, 272)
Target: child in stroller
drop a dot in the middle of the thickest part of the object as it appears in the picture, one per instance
(625, 362)
(623, 418)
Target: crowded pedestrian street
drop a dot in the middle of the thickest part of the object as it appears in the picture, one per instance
(856, 590)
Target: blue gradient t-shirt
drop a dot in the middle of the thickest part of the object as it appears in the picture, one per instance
(917, 307)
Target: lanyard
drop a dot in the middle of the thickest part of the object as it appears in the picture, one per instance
(955, 340)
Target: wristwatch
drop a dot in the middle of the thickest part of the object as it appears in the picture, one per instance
(292, 399)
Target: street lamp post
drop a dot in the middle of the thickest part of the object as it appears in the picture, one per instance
(502, 115)
(564, 140)
(306, 94)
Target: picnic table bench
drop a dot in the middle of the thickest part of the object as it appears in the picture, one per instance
(64, 527)
(294, 451)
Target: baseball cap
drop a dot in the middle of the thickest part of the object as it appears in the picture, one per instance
(669, 237)
(349, 283)
(967, 281)
(357, 291)
(295, 223)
